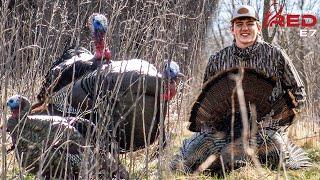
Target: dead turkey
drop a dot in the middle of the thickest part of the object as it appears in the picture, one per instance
(213, 109)
(216, 115)
(54, 146)
(213, 152)
(77, 61)
(128, 97)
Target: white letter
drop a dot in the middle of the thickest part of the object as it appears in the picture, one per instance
(313, 32)
(303, 32)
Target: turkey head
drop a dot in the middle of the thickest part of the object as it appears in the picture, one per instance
(18, 105)
(172, 76)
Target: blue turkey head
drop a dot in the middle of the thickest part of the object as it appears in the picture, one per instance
(172, 70)
(18, 105)
(171, 75)
(14, 102)
(99, 25)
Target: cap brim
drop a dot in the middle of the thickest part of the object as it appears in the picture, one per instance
(244, 17)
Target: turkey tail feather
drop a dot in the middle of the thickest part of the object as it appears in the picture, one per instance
(298, 158)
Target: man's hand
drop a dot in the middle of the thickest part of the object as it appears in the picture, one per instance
(300, 97)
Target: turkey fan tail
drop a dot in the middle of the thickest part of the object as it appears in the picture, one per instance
(298, 158)
(295, 157)
(69, 53)
(215, 102)
(195, 151)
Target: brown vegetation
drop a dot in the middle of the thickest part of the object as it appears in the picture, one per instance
(34, 33)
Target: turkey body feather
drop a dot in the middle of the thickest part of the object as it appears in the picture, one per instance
(271, 150)
(129, 91)
(49, 144)
(73, 64)
(53, 146)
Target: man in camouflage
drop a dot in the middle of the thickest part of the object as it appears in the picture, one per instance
(250, 51)
(203, 149)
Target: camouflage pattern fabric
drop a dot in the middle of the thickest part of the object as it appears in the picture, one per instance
(266, 59)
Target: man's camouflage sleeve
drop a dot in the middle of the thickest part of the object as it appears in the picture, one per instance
(210, 68)
(291, 79)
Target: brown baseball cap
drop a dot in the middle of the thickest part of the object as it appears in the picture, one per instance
(244, 11)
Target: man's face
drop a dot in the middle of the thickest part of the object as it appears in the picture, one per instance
(245, 31)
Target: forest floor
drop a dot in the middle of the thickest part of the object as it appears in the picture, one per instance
(158, 167)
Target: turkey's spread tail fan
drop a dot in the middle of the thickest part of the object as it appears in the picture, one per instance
(213, 108)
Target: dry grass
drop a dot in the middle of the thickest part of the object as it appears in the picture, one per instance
(33, 37)
(311, 145)
(246, 173)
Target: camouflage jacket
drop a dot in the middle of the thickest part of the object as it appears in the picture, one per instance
(265, 58)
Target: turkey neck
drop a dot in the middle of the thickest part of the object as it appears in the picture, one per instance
(17, 115)
(12, 123)
(101, 50)
(100, 46)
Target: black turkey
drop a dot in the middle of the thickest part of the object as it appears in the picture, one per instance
(53, 146)
(270, 147)
(76, 62)
(132, 96)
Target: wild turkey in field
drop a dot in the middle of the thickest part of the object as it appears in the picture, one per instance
(76, 62)
(131, 99)
(138, 68)
(271, 149)
(53, 146)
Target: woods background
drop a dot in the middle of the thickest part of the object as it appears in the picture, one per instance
(33, 34)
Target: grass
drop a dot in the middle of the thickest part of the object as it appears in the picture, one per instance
(251, 173)
(246, 173)
(178, 132)
(22, 83)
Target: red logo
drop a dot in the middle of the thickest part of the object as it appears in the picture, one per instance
(288, 20)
